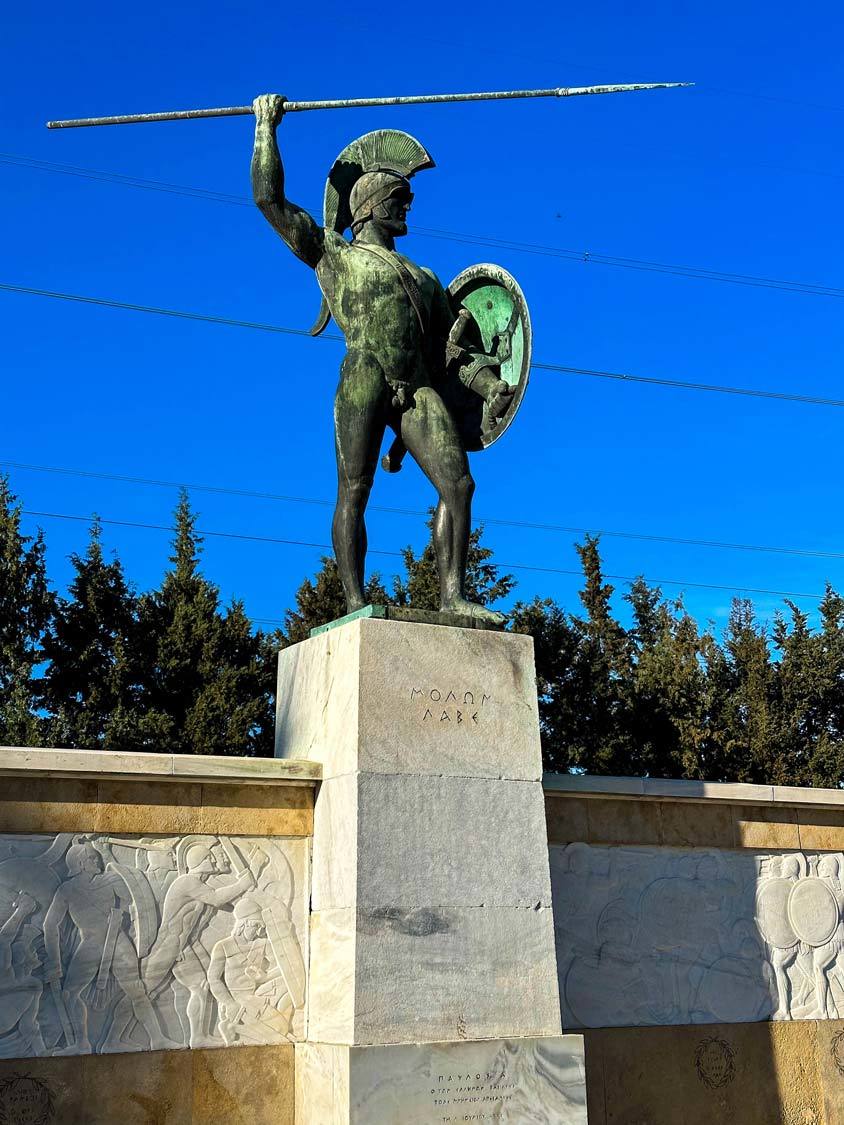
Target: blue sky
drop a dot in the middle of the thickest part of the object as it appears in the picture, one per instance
(741, 174)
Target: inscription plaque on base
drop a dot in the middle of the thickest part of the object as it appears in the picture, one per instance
(501, 1081)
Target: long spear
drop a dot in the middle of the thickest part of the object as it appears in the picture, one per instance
(359, 103)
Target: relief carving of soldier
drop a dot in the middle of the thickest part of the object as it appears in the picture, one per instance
(127, 943)
(247, 978)
(22, 992)
(96, 899)
(188, 905)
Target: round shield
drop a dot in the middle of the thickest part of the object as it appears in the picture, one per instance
(498, 326)
(772, 913)
(734, 990)
(813, 911)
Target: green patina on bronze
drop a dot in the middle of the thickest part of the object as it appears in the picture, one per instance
(490, 307)
(404, 613)
(444, 369)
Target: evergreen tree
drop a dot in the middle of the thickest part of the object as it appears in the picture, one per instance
(194, 672)
(82, 687)
(25, 607)
(810, 693)
(746, 700)
(173, 671)
(420, 588)
(826, 766)
(668, 706)
(555, 641)
(600, 739)
(583, 667)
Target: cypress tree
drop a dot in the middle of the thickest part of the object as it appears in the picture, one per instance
(194, 672)
(667, 687)
(26, 604)
(601, 740)
(82, 687)
(747, 701)
(555, 642)
(810, 697)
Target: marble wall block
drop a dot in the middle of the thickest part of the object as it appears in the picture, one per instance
(657, 936)
(431, 910)
(509, 1082)
(384, 841)
(395, 697)
(113, 943)
(454, 973)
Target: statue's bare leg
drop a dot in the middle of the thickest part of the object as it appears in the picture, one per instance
(189, 972)
(429, 432)
(125, 969)
(28, 1025)
(80, 972)
(360, 418)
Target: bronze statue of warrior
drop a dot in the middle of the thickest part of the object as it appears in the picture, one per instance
(445, 370)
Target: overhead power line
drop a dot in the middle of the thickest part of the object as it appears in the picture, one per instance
(542, 249)
(177, 313)
(180, 314)
(802, 552)
(204, 533)
(680, 384)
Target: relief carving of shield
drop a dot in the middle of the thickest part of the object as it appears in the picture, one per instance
(813, 911)
(772, 913)
(500, 324)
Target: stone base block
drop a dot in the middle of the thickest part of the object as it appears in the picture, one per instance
(507, 1081)
(401, 698)
(396, 976)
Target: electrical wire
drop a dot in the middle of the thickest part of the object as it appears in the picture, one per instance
(203, 533)
(585, 256)
(801, 552)
(207, 318)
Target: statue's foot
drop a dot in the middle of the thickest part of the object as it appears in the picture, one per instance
(81, 1048)
(165, 1043)
(471, 609)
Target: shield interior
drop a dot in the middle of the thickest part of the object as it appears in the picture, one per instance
(497, 306)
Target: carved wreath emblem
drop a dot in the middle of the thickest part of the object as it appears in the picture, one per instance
(715, 1063)
(25, 1100)
(837, 1051)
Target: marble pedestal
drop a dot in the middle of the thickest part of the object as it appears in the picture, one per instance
(431, 913)
(508, 1081)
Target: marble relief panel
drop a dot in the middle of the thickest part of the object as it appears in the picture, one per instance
(129, 943)
(649, 936)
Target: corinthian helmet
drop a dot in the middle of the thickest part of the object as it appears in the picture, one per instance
(371, 189)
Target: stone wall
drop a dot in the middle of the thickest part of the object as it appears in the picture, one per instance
(150, 904)
(700, 941)
(699, 944)
(738, 1074)
(228, 1086)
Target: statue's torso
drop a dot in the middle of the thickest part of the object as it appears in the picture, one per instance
(371, 305)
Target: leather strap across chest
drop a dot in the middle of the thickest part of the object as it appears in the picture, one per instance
(402, 272)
